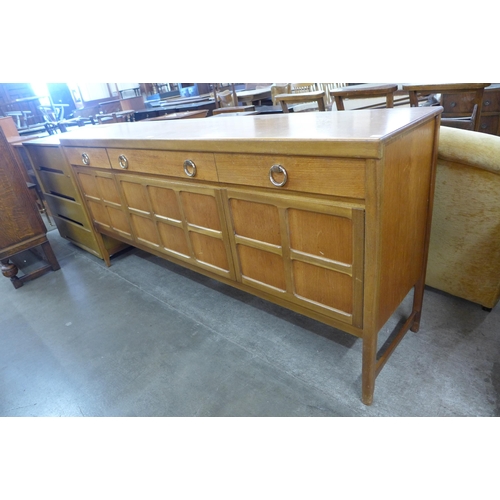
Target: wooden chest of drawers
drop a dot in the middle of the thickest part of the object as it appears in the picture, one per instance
(490, 112)
(62, 195)
(327, 214)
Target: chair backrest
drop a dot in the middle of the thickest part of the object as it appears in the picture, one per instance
(328, 87)
(462, 102)
(49, 114)
(364, 91)
(300, 88)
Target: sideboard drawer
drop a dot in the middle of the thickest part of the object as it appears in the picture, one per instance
(48, 158)
(66, 208)
(89, 157)
(169, 163)
(56, 183)
(76, 233)
(337, 177)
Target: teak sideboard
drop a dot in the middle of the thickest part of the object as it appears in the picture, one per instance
(327, 214)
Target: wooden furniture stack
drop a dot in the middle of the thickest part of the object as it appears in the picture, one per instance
(327, 214)
(364, 91)
(59, 189)
(462, 102)
(21, 226)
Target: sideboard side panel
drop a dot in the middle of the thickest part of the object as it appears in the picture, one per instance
(404, 213)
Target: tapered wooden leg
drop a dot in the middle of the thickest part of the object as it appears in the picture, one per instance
(368, 373)
(418, 299)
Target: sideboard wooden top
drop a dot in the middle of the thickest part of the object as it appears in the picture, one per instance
(360, 133)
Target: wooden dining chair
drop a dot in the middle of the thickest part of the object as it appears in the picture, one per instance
(364, 91)
(462, 102)
(279, 88)
(226, 98)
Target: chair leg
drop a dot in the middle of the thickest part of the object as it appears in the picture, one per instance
(284, 107)
(339, 102)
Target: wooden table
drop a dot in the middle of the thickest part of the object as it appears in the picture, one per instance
(250, 96)
(238, 113)
(187, 106)
(202, 113)
(327, 214)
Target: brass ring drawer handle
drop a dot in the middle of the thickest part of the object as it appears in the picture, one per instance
(123, 161)
(85, 159)
(189, 164)
(278, 169)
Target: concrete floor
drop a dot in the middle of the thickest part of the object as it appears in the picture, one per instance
(147, 338)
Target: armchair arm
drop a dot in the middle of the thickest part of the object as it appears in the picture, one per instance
(471, 148)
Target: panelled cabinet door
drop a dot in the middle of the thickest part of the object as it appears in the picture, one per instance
(104, 202)
(180, 219)
(307, 251)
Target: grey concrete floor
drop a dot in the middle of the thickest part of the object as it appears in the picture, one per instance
(147, 338)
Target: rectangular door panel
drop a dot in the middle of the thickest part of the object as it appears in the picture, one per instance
(308, 250)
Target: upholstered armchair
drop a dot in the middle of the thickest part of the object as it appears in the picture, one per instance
(464, 252)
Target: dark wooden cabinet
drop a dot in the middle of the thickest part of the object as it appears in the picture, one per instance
(489, 122)
(490, 112)
(21, 226)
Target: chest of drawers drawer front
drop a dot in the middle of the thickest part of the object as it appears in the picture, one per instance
(167, 163)
(77, 234)
(491, 100)
(57, 183)
(90, 157)
(48, 158)
(66, 209)
(337, 177)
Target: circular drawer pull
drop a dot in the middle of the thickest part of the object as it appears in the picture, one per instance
(85, 159)
(188, 164)
(278, 169)
(123, 162)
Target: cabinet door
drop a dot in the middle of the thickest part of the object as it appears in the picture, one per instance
(307, 251)
(179, 219)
